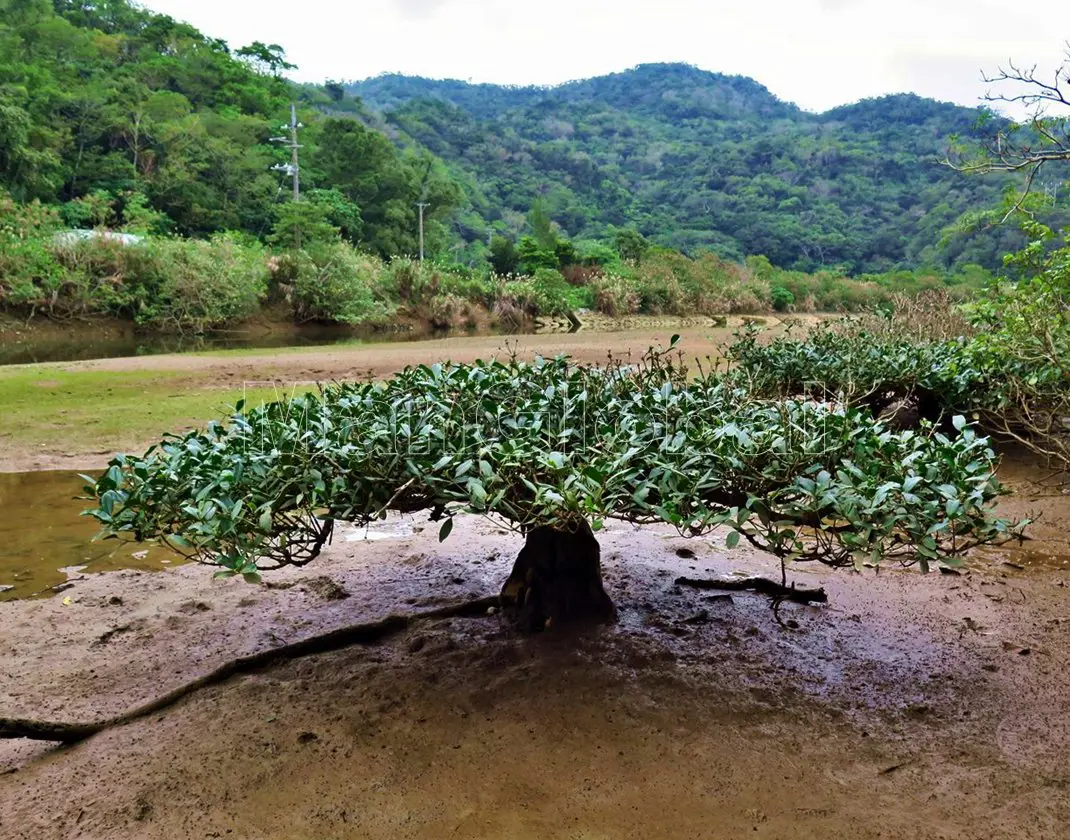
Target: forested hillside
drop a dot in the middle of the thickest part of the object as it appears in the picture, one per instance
(123, 117)
(115, 117)
(697, 159)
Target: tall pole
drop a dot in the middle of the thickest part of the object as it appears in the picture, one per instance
(293, 152)
(422, 205)
(293, 168)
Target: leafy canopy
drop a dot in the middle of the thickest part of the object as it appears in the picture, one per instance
(555, 443)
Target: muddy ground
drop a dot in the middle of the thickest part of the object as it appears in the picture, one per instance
(910, 707)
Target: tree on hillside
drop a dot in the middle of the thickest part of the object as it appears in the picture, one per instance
(268, 59)
(503, 258)
(541, 225)
(301, 224)
(335, 90)
(630, 244)
(366, 168)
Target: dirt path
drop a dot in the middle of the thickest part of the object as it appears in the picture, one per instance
(911, 707)
(320, 364)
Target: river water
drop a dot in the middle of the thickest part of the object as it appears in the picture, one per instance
(82, 347)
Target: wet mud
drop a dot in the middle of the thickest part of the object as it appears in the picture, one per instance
(909, 706)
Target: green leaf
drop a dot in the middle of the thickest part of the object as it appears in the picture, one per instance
(732, 540)
(464, 468)
(959, 422)
(445, 530)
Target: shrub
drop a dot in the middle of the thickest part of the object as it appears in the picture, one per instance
(333, 282)
(169, 284)
(411, 283)
(783, 300)
(479, 288)
(445, 310)
(30, 275)
(547, 293)
(555, 449)
(615, 295)
(203, 284)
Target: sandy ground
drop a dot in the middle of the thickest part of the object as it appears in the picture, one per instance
(911, 706)
(288, 369)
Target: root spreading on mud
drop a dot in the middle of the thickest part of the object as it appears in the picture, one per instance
(776, 591)
(357, 634)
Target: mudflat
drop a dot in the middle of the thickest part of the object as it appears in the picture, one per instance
(911, 706)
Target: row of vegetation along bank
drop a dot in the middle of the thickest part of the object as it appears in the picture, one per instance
(183, 285)
(1003, 361)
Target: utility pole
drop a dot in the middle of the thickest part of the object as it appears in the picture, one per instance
(422, 205)
(294, 125)
(293, 168)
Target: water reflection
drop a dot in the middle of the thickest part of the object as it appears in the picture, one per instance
(82, 346)
(41, 533)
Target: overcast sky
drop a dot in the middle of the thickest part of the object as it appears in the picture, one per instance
(816, 53)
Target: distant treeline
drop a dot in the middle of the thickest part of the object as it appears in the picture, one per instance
(183, 284)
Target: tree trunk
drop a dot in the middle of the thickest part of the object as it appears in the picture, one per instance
(557, 579)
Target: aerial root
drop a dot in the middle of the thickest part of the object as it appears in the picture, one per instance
(357, 634)
(777, 591)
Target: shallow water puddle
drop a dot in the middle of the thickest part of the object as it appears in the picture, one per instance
(44, 541)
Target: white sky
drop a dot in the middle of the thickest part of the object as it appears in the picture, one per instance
(816, 53)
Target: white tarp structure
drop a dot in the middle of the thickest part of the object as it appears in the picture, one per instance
(73, 237)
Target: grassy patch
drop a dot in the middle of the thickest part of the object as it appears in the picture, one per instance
(47, 410)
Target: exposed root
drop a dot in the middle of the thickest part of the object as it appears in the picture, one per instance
(357, 634)
(777, 591)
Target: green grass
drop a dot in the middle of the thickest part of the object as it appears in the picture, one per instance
(47, 410)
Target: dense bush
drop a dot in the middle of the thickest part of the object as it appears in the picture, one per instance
(553, 444)
(178, 284)
(333, 282)
(1003, 360)
(195, 285)
(204, 284)
(782, 299)
(446, 310)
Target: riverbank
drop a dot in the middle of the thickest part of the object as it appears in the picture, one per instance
(77, 415)
(42, 340)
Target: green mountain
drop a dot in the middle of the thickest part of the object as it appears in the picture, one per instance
(121, 117)
(697, 160)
